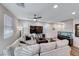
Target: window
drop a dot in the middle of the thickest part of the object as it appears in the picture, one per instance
(8, 26)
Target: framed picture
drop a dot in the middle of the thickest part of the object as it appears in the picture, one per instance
(77, 30)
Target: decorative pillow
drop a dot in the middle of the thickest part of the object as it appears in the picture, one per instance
(31, 42)
(45, 47)
(22, 42)
(62, 43)
(28, 38)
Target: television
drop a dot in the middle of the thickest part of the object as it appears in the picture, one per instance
(36, 29)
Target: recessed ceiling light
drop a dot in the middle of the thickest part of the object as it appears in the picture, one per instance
(55, 6)
(73, 13)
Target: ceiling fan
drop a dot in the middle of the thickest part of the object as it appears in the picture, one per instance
(35, 18)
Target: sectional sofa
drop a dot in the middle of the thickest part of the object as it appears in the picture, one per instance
(58, 48)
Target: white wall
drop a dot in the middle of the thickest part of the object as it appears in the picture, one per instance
(6, 42)
(47, 28)
(76, 39)
(68, 25)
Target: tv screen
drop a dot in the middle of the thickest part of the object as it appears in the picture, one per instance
(36, 29)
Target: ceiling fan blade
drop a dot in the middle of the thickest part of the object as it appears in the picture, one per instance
(39, 17)
(36, 17)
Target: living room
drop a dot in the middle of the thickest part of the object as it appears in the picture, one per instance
(41, 24)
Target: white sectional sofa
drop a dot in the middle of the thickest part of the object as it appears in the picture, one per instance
(58, 48)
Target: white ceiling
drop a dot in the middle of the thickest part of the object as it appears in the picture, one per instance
(46, 10)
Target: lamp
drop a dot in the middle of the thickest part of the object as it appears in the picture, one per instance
(35, 19)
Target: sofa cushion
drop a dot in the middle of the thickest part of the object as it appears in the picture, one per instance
(61, 43)
(27, 50)
(31, 42)
(44, 47)
(64, 51)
